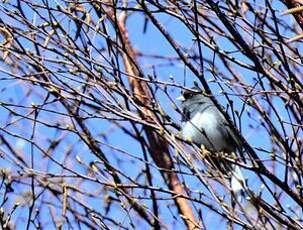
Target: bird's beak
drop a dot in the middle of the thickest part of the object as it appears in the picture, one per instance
(181, 98)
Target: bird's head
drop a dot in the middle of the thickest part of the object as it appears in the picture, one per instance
(189, 94)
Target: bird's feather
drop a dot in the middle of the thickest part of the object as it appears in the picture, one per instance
(204, 125)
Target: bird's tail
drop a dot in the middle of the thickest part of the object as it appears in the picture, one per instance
(238, 183)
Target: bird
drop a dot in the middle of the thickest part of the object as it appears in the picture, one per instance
(204, 125)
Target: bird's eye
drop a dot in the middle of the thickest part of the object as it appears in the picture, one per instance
(188, 95)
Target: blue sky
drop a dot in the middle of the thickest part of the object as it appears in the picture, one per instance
(149, 43)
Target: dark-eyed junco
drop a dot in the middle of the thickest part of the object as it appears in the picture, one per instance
(204, 124)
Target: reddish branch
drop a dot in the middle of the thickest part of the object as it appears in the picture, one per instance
(158, 146)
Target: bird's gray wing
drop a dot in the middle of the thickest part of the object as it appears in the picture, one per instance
(235, 142)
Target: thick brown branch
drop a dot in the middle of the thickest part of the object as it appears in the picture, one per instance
(158, 146)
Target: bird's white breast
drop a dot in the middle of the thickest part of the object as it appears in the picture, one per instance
(206, 121)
